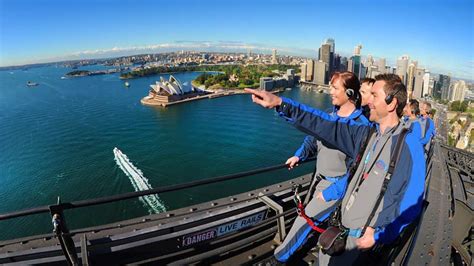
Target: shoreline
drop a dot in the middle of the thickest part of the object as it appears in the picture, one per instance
(174, 72)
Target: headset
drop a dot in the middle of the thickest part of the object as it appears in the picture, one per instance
(390, 97)
(351, 94)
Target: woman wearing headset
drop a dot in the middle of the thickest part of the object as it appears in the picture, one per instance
(331, 166)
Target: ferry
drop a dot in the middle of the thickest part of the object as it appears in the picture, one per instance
(31, 84)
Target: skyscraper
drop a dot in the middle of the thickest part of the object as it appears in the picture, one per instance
(337, 62)
(309, 70)
(350, 65)
(402, 67)
(457, 91)
(369, 63)
(443, 86)
(274, 56)
(343, 66)
(356, 61)
(374, 71)
(357, 49)
(418, 83)
(381, 65)
(410, 78)
(426, 83)
(320, 72)
(303, 71)
(331, 42)
(332, 68)
(325, 56)
(363, 71)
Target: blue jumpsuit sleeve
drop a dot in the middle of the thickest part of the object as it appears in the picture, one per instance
(337, 189)
(429, 132)
(403, 200)
(344, 135)
(416, 129)
(308, 148)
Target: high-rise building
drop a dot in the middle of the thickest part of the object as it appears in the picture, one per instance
(356, 63)
(304, 68)
(337, 62)
(320, 72)
(431, 86)
(350, 65)
(382, 65)
(443, 86)
(331, 42)
(344, 64)
(309, 70)
(356, 66)
(458, 91)
(373, 71)
(363, 71)
(274, 56)
(357, 49)
(332, 68)
(402, 67)
(410, 78)
(325, 56)
(369, 63)
(418, 83)
(426, 83)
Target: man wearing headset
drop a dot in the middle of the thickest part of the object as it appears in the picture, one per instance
(428, 130)
(331, 164)
(402, 202)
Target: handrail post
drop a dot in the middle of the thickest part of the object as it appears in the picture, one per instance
(62, 233)
(281, 234)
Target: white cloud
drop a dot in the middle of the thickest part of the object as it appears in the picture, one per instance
(465, 70)
(180, 45)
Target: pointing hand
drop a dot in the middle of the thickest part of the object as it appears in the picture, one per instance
(264, 98)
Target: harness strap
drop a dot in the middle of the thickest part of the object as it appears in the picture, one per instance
(309, 221)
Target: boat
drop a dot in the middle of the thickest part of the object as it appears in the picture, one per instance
(127, 84)
(288, 89)
(31, 84)
(63, 77)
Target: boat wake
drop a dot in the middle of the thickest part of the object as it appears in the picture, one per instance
(139, 182)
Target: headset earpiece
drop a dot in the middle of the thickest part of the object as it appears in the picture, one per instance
(389, 99)
(350, 93)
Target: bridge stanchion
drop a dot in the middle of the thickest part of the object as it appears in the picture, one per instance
(62, 233)
(281, 234)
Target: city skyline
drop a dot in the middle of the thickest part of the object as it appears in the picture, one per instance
(438, 34)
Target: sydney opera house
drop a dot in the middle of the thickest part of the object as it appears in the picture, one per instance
(164, 92)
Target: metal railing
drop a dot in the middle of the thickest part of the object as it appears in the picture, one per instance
(136, 194)
(57, 211)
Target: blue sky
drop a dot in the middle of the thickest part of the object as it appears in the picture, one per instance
(438, 34)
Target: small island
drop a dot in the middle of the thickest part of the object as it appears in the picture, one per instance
(84, 73)
(78, 73)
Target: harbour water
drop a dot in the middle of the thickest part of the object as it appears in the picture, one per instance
(57, 139)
